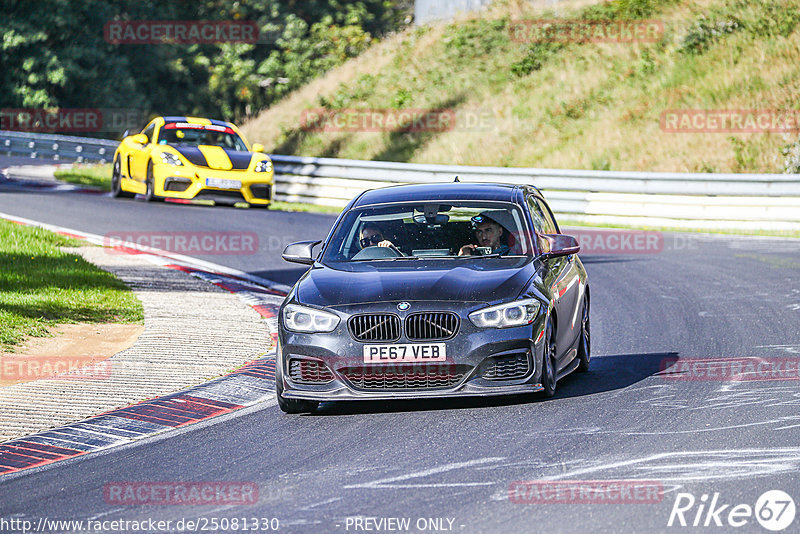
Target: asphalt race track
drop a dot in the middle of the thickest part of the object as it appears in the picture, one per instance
(449, 465)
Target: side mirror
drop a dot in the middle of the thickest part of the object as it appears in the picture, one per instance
(140, 139)
(559, 245)
(300, 252)
(258, 147)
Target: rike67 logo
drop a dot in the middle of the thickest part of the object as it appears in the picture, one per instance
(774, 510)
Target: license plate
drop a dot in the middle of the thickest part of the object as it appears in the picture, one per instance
(223, 184)
(431, 352)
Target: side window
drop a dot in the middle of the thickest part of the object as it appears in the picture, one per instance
(549, 221)
(149, 132)
(540, 221)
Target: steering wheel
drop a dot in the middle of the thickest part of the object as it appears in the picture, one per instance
(397, 250)
(377, 253)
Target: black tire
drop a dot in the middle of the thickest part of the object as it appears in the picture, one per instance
(150, 192)
(116, 181)
(549, 372)
(293, 406)
(585, 343)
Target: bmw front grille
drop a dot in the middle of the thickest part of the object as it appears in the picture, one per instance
(375, 327)
(423, 326)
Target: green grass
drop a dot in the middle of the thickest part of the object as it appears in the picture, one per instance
(563, 105)
(42, 286)
(311, 208)
(98, 176)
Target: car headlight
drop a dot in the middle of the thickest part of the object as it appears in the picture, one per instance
(517, 313)
(265, 165)
(171, 159)
(309, 320)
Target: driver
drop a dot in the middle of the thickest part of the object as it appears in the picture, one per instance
(371, 235)
(489, 234)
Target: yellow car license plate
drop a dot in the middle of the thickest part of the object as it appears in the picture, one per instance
(223, 184)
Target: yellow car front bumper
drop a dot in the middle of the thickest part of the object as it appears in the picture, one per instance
(173, 181)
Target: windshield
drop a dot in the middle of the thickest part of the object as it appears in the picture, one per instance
(186, 134)
(430, 230)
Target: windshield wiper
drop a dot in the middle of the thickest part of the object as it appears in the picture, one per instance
(402, 258)
(481, 256)
(389, 259)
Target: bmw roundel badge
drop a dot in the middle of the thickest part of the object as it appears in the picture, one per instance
(403, 306)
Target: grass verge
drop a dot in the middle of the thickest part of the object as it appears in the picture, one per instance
(311, 208)
(42, 286)
(98, 176)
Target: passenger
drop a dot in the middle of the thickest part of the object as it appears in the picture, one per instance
(371, 235)
(489, 234)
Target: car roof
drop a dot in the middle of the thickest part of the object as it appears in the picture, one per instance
(441, 191)
(179, 118)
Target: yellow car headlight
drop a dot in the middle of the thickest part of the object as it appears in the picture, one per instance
(265, 165)
(171, 159)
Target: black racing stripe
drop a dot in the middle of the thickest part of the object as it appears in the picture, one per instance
(240, 160)
(193, 154)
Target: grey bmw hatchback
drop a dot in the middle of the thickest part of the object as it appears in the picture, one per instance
(435, 290)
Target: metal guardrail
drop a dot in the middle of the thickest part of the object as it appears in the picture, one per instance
(426, 11)
(728, 201)
(732, 201)
(62, 148)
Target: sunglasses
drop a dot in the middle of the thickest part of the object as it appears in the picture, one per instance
(371, 240)
(478, 219)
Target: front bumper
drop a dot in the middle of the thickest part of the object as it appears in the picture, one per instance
(189, 183)
(472, 351)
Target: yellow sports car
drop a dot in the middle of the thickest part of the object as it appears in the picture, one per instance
(192, 158)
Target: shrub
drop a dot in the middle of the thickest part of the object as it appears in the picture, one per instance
(704, 32)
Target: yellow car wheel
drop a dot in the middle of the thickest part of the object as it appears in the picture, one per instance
(150, 193)
(116, 182)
